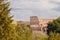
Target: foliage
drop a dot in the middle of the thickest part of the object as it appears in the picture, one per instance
(54, 36)
(54, 29)
(54, 26)
(7, 29)
(24, 33)
(39, 36)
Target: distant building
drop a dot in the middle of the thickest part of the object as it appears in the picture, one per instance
(39, 24)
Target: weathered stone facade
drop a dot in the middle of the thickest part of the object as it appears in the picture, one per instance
(39, 24)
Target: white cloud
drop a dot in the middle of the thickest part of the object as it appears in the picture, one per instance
(22, 14)
(55, 0)
(45, 4)
(42, 8)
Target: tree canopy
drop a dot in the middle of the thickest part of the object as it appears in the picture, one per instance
(54, 26)
(54, 29)
(7, 29)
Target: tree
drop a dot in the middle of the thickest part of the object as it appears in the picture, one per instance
(24, 33)
(54, 26)
(54, 29)
(54, 36)
(28, 33)
(7, 29)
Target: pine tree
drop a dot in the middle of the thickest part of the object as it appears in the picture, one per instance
(7, 29)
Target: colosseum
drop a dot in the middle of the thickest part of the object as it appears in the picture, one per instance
(39, 24)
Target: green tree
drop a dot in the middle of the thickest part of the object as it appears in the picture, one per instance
(54, 29)
(28, 33)
(7, 29)
(24, 33)
(54, 36)
(54, 26)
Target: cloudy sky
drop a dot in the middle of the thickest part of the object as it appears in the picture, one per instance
(23, 9)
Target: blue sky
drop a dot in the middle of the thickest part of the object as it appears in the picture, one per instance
(23, 9)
